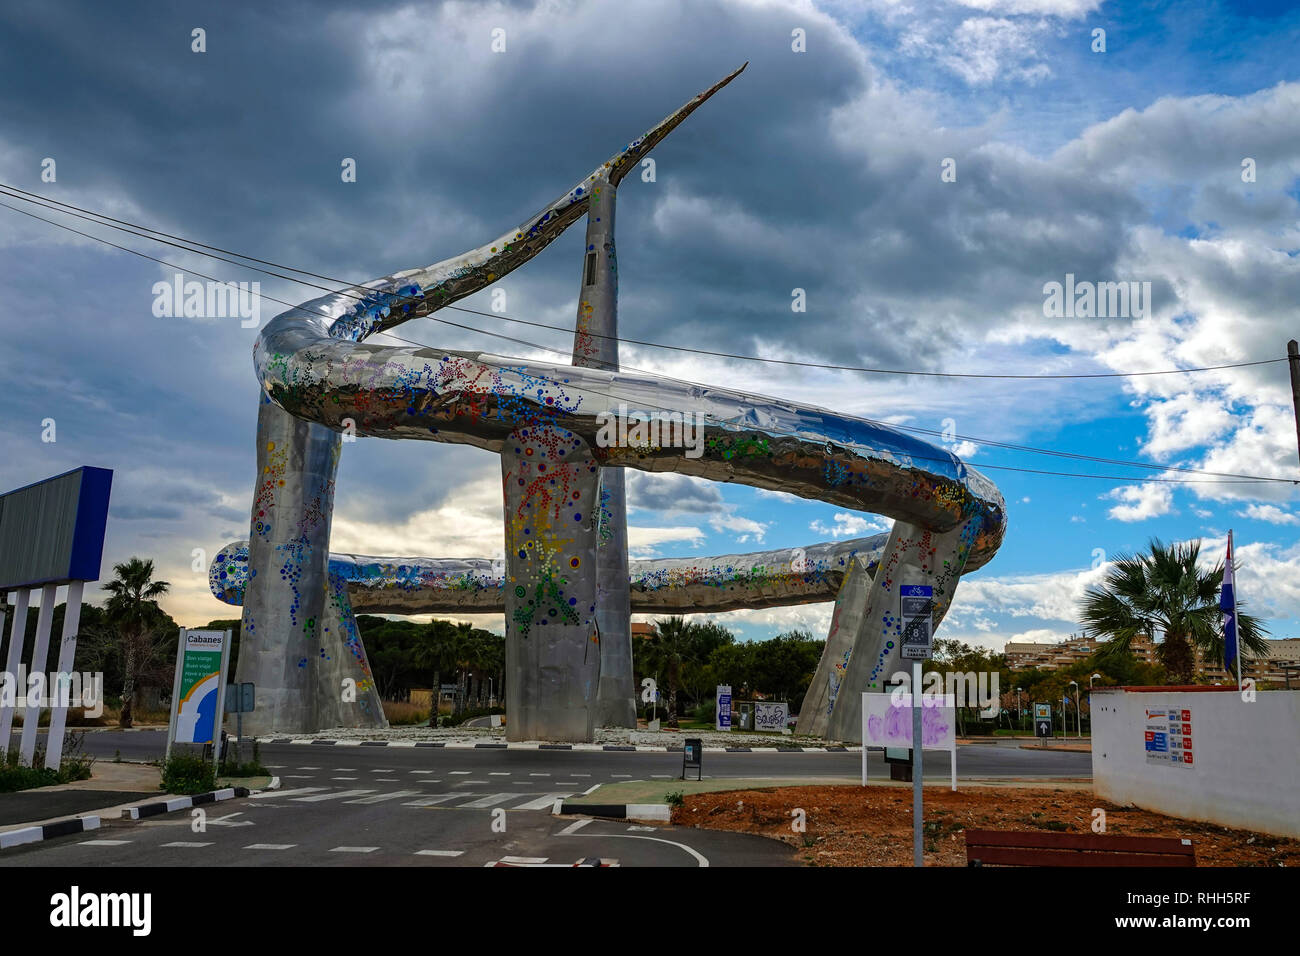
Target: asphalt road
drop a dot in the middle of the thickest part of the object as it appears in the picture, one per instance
(348, 806)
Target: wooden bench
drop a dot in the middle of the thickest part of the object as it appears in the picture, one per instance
(1039, 848)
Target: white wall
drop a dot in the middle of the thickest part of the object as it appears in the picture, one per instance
(1246, 758)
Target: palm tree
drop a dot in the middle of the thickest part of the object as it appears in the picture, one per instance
(133, 610)
(1164, 591)
(437, 651)
(667, 652)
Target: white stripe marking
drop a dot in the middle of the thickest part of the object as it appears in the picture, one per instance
(541, 803)
(103, 842)
(439, 852)
(430, 801)
(267, 795)
(490, 800)
(354, 849)
(270, 846)
(383, 797)
(332, 796)
(184, 844)
(574, 827)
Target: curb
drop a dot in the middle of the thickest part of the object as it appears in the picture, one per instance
(48, 831)
(146, 810)
(659, 812)
(621, 748)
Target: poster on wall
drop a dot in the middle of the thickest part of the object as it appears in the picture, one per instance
(724, 707)
(1167, 736)
(197, 690)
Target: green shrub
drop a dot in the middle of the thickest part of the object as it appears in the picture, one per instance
(675, 799)
(75, 765)
(188, 773)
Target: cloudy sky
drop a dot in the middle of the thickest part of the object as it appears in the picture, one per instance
(921, 169)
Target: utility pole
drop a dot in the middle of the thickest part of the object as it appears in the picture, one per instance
(1293, 360)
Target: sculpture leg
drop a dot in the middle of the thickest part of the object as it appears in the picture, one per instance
(288, 560)
(551, 484)
(595, 345)
(846, 624)
(346, 695)
(912, 556)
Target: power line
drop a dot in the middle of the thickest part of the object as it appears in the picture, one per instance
(1230, 478)
(38, 199)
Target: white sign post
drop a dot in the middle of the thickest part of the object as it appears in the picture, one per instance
(724, 707)
(771, 717)
(887, 723)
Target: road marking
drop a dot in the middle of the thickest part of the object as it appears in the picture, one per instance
(439, 852)
(464, 773)
(539, 775)
(464, 783)
(275, 766)
(387, 780)
(588, 775)
(333, 796)
(421, 771)
(383, 771)
(270, 846)
(345, 769)
(428, 781)
(395, 795)
(306, 768)
(625, 776)
(267, 795)
(343, 778)
(354, 849)
(532, 859)
(574, 827)
(104, 842)
(299, 776)
(430, 801)
(668, 776)
(649, 829)
(627, 836)
(182, 843)
(490, 800)
(541, 803)
(501, 773)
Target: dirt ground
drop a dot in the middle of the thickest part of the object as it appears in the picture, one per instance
(853, 826)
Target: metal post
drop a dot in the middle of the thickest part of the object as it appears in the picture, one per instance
(40, 656)
(918, 857)
(17, 633)
(67, 657)
(1293, 360)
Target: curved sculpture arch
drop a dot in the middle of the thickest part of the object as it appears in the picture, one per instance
(548, 422)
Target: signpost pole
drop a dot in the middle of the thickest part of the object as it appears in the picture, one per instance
(176, 683)
(918, 858)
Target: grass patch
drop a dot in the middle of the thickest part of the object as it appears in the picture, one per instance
(76, 764)
(188, 774)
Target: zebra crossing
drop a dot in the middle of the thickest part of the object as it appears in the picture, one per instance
(467, 800)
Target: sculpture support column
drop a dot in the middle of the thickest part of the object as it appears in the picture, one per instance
(551, 483)
(288, 558)
(846, 624)
(912, 556)
(595, 345)
(346, 695)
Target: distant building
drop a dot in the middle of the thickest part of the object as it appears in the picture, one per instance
(643, 630)
(1051, 656)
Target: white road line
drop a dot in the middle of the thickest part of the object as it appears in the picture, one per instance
(464, 783)
(354, 849)
(387, 780)
(345, 769)
(668, 776)
(270, 846)
(430, 801)
(395, 795)
(537, 859)
(421, 771)
(547, 774)
(491, 800)
(350, 779)
(577, 825)
(541, 803)
(103, 842)
(499, 773)
(466, 773)
(627, 836)
(267, 795)
(332, 796)
(383, 771)
(588, 775)
(183, 843)
(628, 776)
(299, 776)
(428, 781)
(317, 768)
(439, 852)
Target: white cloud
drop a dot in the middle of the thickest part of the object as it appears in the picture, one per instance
(747, 528)
(849, 525)
(643, 542)
(1140, 502)
(1270, 513)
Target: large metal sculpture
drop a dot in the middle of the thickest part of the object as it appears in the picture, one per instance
(550, 425)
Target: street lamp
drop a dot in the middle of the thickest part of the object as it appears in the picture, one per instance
(1078, 719)
(1090, 680)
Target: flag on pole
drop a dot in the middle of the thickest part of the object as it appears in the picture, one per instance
(1228, 605)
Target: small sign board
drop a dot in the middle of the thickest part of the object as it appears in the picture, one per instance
(724, 707)
(240, 698)
(916, 613)
(693, 757)
(770, 716)
(1042, 720)
(1167, 737)
(198, 689)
